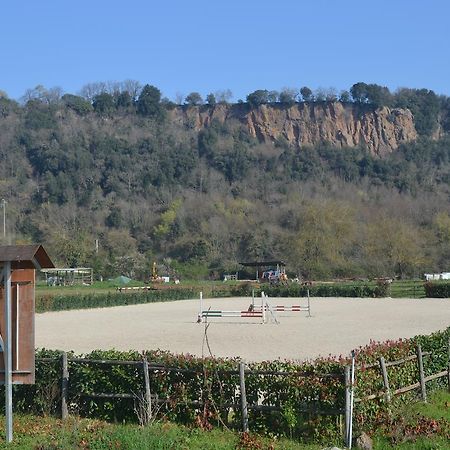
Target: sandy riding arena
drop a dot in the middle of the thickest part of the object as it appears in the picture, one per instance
(337, 325)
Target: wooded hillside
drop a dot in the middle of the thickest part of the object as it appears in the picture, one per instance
(118, 168)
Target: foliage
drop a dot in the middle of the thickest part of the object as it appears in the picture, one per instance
(371, 93)
(259, 97)
(424, 104)
(72, 178)
(49, 433)
(78, 104)
(104, 104)
(288, 96)
(439, 289)
(67, 302)
(149, 102)
(306, 94)
(200, 390)
(194, 99)
(327, 290)
(211, 99)
(418, 425)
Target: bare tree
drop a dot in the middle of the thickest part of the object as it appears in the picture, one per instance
(224, 96)
(179, 97)
(49, 96)
(90, 90)
(133, 87)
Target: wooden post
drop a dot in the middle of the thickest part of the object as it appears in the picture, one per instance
(243, 397)
(64, 386)
(147, 396)
(448, 366)
(347, 405)
(423, 388)
(385, 380)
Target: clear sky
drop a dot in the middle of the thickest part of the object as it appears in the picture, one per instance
(182, 46)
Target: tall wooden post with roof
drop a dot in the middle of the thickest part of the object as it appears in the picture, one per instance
(18, 264)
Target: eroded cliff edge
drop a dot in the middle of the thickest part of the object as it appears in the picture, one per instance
(342, 125)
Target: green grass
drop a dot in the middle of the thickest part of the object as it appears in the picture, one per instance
(42, 433)
(411, 429)
(398, 288)
(42, 290)
(408, 289)
(45, 294)
(419, 426)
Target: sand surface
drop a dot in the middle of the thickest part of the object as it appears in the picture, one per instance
(336, 327)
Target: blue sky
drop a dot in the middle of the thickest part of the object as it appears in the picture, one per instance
(184, 46)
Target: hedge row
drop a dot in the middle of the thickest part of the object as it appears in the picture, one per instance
(99, 300)
(95, 300)
(437, 290)
(66, 302)
(328, 290)
(214, 385)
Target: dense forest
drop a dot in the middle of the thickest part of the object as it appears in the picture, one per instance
(108, 165)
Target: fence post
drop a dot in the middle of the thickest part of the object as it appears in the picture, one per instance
(147, 396)
(385, 380)
(423, 388)
(448, 366)
(347, 405)
(64, 386)
(243, 397)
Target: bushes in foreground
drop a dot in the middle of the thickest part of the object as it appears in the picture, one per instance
(205, 391)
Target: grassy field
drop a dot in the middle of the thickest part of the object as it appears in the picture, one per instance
(42, 433)
(399, 288)
(416, 427)
(407, 289)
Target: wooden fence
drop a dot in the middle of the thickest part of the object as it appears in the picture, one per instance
(387, 393)
(151, 402)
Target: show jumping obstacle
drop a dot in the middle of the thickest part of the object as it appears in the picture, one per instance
(261, 313)
(254, 311)
(280, 308)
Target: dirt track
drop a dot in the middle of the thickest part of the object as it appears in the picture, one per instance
(337, 325)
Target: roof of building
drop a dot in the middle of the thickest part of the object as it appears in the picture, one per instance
(262, 263)
(25, 256)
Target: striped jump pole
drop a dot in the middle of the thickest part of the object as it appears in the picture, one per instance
(237, 313)
(283, 308)
(263, 310)
(260, 313)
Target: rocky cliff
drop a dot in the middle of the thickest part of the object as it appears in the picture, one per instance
(342, 125)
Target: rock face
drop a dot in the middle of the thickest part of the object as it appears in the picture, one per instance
(341, 125)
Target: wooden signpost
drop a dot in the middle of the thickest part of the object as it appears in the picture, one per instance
(18, 264)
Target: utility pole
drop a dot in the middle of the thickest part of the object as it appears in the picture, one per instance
(4, 218)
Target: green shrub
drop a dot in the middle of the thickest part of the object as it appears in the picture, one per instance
(326, 290)
(193, 390)
(437, 290)
(68, 302)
